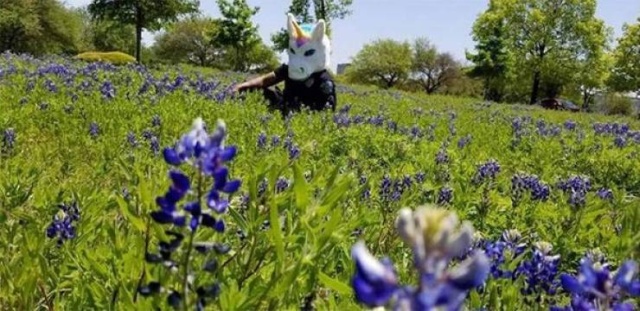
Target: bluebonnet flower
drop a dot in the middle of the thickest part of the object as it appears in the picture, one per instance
(415, 132)
(131, 138)
(577, 187)
(570, 125)
(435, 240)
(147, 134)
(154, 145)
(507, 248)
(538, 189)
(275, 141)
(597, 288)
(156, 121)
(43, 106)
(294, 152)
(487, 171)
(620, 141)
(420, 177)
(94, 130)
(282, 184)
(107, 90)
(392, 126)
(8, 139)
(208, 155)
(541, 271)
(445, 196)
(605, 194)
(406, 181)
(442, 157)
(464, 141)
(262, 140)
(126, 195)
(61, 227)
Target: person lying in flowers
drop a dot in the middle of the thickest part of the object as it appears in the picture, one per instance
(306, 77)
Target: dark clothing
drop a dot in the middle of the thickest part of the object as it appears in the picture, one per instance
(317, 93)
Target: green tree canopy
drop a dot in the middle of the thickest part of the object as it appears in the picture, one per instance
(547, 39)
(190, 41)
(626, 72)
(106, 35)
(237, 32)
(39, 27)
(142, 14)
(384, 62)
(431, 69)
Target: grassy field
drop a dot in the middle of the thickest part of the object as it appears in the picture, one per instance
(92, 135)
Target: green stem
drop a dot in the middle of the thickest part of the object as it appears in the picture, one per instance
(187, 255)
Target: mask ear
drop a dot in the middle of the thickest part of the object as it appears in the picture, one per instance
(319, 31)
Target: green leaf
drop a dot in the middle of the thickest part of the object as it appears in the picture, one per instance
(129, 215)
(339, 287)
(276, 232)
(337, 192)
(300, 188)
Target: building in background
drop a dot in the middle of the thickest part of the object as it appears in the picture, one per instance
(342, 68)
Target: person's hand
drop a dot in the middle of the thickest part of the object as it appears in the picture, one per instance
(238, 88)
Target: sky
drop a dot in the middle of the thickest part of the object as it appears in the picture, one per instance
(446, 23)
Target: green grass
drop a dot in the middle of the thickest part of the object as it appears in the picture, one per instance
(56, 160)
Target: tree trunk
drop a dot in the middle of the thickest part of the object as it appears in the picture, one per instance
(323, 12)
(535, 88)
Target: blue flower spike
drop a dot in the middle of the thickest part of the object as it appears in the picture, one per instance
(436, 238)
(596, 286)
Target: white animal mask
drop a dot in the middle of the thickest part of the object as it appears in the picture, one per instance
(309, 49)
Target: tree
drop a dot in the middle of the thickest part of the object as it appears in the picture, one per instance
(431, 69)
(545, 34)
(143, 14)
(328, 10)
(106, 35)
(384, 62)
(38, 27)
(237, 32)
(261, 58)
(626, 71)
(491, 58)
(190, 41)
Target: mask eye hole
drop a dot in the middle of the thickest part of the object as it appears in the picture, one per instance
(310, 52)
(292, 51)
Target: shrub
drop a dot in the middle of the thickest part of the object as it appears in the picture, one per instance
(116, 58)
(616, 104)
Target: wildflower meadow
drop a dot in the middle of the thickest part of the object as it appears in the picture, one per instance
(135, 188)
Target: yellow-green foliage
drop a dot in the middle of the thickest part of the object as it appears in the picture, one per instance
(616, 104)
(116, 58)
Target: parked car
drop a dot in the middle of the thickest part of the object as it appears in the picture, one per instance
(559, 104)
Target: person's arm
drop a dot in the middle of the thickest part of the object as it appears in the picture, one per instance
(259, 82)
(263, 81)
(328, 94)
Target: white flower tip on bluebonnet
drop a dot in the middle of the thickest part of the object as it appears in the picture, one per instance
(543, 247)
(371, 266)
(512, 235)
(406, 226)
(198, 123)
